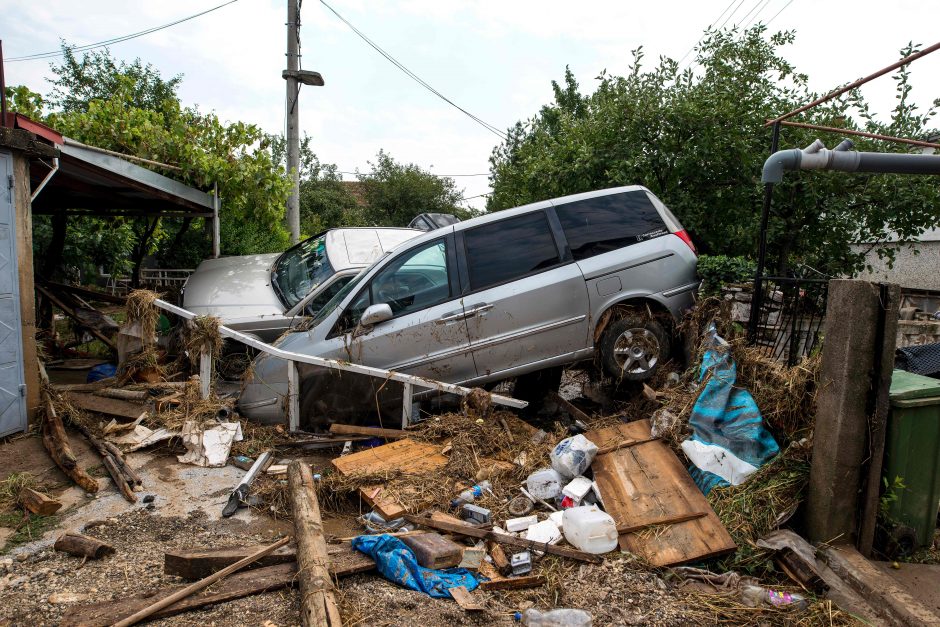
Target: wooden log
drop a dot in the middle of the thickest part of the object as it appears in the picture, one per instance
(38, 503)
(196, 564)
(124, 395)
(483, 534)
(56, 442)
(389, 434)
(317, 604)
(124, 484)
(514, 583)
(82, 546)
(237, 586)
(132, 477)
(199, 585)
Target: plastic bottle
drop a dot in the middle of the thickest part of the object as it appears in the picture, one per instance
(589, 529)
(561, 617)
(468, 495)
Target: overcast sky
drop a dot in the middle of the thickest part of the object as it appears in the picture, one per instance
(495, 59)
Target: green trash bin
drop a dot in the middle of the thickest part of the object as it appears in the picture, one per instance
(912, 452)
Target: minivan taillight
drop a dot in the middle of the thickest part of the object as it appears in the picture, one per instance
(684, 236)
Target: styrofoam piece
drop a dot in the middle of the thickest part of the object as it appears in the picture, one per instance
(557, 518)
(522, 523)
(577, 488)
(545, 531)
(544, 483)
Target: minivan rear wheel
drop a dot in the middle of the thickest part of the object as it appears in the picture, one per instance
(633, 347)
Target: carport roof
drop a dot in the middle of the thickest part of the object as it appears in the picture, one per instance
(91, 181)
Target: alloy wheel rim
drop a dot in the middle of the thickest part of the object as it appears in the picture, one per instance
(636, 351)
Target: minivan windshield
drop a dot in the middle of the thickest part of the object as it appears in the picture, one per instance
(337, 299)
(300, 269)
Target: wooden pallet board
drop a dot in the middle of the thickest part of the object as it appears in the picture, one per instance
(109, 406)
(646, 484)
(406, 456)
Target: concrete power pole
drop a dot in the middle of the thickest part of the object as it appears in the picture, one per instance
(293, 119)
(295, 78)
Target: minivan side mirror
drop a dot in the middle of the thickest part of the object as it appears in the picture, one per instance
(375, 314)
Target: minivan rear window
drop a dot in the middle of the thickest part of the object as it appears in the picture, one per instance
(605, 223)
(509, 249)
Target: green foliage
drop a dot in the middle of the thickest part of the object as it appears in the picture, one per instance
(719, 270)
(697, 140)
(889, 496)
(396, 192)
(20, 99)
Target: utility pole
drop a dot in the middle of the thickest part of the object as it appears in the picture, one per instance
(293, 118)
(295, 78)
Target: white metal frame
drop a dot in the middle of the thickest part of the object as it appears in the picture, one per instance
(410, 381)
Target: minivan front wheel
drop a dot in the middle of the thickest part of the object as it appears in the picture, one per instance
(633, 347)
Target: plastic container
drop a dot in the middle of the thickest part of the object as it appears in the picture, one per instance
(573, 456)
(561, 617)
(912, 452)
(589, 529)
(753, 596)
(468, 495)
(544, 484)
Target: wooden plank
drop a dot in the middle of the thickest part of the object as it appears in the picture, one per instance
(465, 600)
(404, 456)
(391, 434)
(109, 406)
(68, 311)
(39, 503)
(236, 586)
(196, 564)
(651, 495)
(387, 506)
(485, 534)
(514, 583)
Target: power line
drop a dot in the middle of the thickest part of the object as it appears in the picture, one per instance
(414, 76)
(748, 14)
(431, 173)
(778, 13)
(689, 51)
(756, 15)
(116, 40)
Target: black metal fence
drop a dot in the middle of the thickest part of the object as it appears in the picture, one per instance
(787, 315)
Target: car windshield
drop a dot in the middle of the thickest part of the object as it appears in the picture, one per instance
(300, 269)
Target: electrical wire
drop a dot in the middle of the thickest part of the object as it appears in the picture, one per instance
(431, 173)
(757, 15)
(778, 13)
(748, 14)
(720, 15)
(117, 40)
(414, 76)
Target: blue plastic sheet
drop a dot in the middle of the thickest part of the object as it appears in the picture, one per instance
(396, 562)
(729, 440)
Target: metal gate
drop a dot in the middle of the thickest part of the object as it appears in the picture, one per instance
(12, 388)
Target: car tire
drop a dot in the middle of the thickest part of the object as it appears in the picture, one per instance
(633, 347)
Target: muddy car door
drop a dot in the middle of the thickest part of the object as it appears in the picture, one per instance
(422, 330)
(525, 300)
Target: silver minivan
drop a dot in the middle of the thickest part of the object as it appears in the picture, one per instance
(511, 294)
(263, 295)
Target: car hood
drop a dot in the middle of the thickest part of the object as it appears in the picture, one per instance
(233, 287)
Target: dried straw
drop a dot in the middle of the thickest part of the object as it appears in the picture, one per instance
(140, 309)
(202, 332)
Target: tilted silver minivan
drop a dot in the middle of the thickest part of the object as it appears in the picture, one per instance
(263, 295)
(508, 294)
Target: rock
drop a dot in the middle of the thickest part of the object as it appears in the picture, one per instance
(149, 498)
(66, 597)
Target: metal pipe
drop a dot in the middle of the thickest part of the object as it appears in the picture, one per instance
(858, 83)
(845, 131)
(757, 297)
(816, 157)
(55, 168)
(73, 142)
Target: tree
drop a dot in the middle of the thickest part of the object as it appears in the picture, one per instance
(20, 99)
(697, 140)
(395, 193)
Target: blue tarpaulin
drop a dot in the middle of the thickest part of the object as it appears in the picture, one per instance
(729, 440)
(396, 562)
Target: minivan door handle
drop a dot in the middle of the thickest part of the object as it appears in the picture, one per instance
(452, 316)
(479, 308)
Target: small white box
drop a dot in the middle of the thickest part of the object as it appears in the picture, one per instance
(545, 531)
(522, 523)
(577, 488)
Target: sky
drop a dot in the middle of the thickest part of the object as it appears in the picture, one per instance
(494, 59)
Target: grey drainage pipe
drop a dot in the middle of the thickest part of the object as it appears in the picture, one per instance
(817, 157)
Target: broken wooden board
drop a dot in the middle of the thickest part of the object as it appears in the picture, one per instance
(197, 564)
(109, 406)
(375, 432)
(514, 583)
(235, 586)
(465, 599)
(645, 487)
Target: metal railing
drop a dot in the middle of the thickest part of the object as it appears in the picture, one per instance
(787, 314)
(159, 278)
(409, 381)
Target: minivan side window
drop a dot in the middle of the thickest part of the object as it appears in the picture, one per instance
(416, 280)
(600, 225)
(317, 303)
(509, 249)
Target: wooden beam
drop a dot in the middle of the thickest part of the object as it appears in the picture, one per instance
(196, 587)
(318, 606)
(199, 563)
(38, 503)
(388, 434)
(82, 546)
(235, 587)
(68, 311)
(88, 293)
(484, 534)
(110, 406)
(514, 583)
(569, 407)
